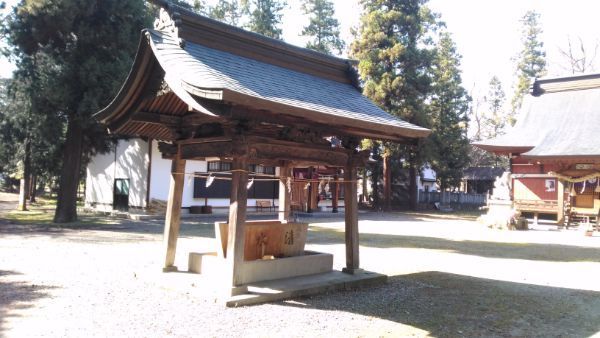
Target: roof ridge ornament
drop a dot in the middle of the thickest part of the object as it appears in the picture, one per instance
(535, 89)
(169, 22)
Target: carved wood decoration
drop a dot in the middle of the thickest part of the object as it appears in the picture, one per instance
(169, 23)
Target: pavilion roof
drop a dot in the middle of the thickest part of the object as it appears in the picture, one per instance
(207, 61)
(559, 120)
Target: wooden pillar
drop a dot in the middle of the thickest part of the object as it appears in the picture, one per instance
(237, 219)
(335, 194)
(387, 182)
(285, 194)
(351, 215)
(309, 201)
(560, 216)
(173, 216)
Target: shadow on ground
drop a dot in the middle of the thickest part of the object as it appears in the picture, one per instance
(16, 296)
(449, 305)
(203, 227)
(529, 251)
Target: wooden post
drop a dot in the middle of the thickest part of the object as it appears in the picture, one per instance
(309, 202)
(351, 215)
(285, 195)
(335, 193)
(237, 219)
(387, 182)
(560, 216)
(173, 216)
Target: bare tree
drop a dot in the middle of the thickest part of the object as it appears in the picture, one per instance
(578, 58)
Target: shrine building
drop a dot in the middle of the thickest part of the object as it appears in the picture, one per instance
(554, 149)
(202, 90)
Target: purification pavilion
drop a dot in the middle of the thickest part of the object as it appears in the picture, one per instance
(554, 149)
(205, 89)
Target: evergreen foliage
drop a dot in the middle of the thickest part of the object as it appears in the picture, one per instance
(323, 27)
(264, 16)
(87, 47)
(29, 138)
(394, 47)
(227, 11)
(489, 122)
(531, 61)
(449, 105)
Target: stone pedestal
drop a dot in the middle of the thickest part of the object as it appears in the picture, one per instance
(499, 215)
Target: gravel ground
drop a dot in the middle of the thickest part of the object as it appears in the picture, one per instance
(448, 277)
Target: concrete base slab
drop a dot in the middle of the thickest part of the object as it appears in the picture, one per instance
(171, 268)
(280, 289)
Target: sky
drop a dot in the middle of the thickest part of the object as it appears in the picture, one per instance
(487, 33)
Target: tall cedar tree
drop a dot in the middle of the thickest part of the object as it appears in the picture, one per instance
(265, 16)
(393, 49)
(449, 105)
(29, 137)
(227, 11)
(323, 28)
(490, 122)
(91, 44)
(531, 61)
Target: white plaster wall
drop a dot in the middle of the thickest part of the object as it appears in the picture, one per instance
(161, 176)
(131, 163)
(160, 180)
(99, 179)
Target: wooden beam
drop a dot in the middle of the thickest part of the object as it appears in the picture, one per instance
(172, 218)
(351, 217)
(261, 149)
(310, 201)
(299, 152)
(285, 195)
(237, 219)
(154, 118)
(209, 149)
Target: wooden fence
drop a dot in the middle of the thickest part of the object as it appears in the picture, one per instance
(428, 197)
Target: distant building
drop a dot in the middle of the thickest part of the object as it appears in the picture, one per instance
(480, 180)
(554, 148)
(427, 179)
(134, 174)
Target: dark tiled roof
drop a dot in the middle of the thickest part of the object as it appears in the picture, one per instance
(482, 173)
(214, 72)
(561, 121)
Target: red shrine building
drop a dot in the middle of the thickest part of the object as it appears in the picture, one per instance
(554, 149)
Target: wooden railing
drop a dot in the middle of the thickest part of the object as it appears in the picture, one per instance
(546, 206)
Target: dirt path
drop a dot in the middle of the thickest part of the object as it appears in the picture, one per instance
(448, 278)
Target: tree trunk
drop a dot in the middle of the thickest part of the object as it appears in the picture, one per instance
(412, 185)
(365, 196)
(32, 188)
(387, 182)
(375, 174)
(66, 206)
(25, 182)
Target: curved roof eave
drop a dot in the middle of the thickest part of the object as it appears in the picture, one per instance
(118, 106)
(504, 150)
